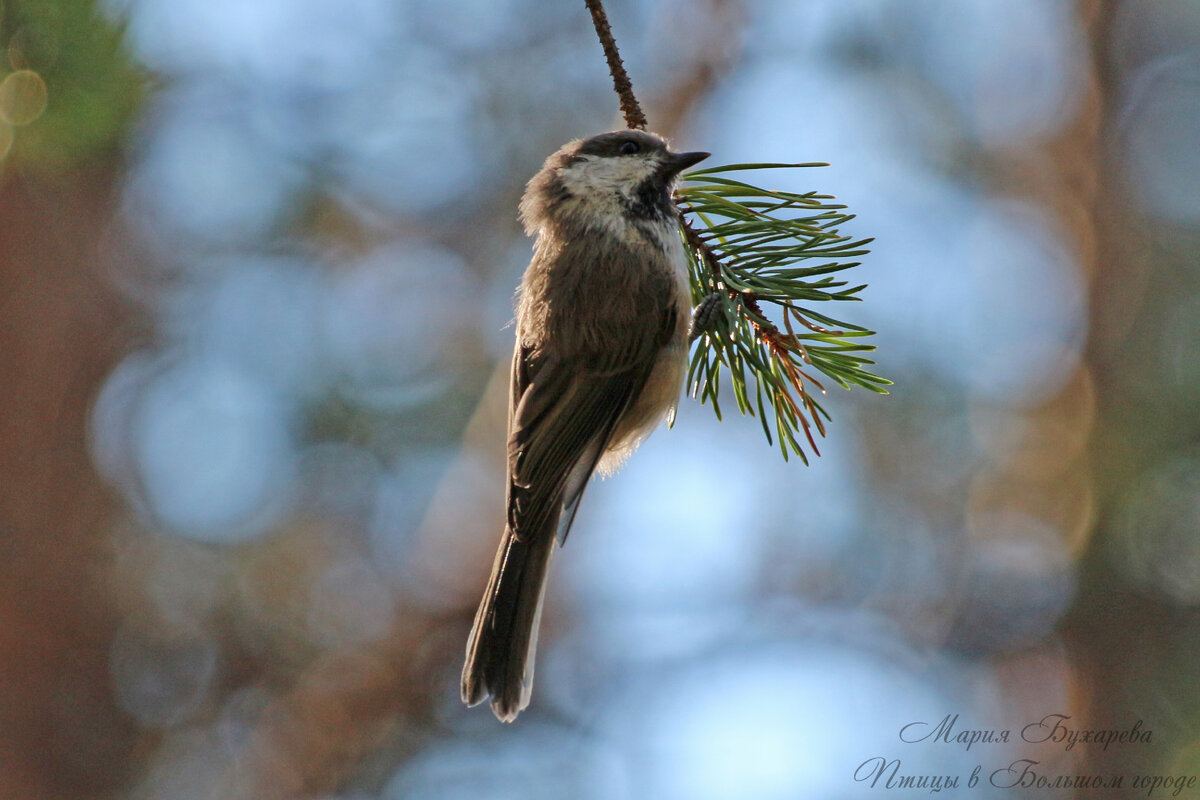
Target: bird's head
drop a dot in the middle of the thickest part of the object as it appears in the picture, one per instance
(617, 175)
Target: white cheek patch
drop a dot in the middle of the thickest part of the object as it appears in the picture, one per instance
(595, 175)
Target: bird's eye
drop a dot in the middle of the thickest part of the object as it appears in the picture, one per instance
(628, 147)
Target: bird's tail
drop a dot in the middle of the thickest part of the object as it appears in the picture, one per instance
(501, 646)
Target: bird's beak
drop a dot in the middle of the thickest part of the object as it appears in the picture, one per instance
(676, 163)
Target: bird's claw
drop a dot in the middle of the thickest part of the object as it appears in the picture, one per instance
(703, 316)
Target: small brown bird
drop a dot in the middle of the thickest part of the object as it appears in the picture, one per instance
(600, 358)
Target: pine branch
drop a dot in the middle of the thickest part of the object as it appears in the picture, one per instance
(747, 246)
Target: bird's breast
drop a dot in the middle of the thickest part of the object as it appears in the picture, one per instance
(604, 292)
(673, 246)
(664, 384)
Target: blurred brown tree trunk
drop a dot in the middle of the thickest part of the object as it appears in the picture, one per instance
(61, 735)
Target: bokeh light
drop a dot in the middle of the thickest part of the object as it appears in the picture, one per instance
(162, 682)
(538, 762)
(205, 179)
(773, 722)
(213, 453)
(1157, 546)
(1161, 137)
(23, 97)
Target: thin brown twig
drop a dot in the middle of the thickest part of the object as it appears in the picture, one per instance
(630, 108)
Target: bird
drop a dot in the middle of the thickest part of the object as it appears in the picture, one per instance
(599, 362)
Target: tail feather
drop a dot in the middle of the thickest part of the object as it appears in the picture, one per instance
(501, 647)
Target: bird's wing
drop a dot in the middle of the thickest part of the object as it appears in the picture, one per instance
(563, 420)
(562, 417)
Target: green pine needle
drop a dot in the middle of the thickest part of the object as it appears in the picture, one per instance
(753, 246)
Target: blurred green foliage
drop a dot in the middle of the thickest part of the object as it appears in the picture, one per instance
(92, 86)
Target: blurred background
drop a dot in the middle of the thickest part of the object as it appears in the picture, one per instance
(257, 263)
